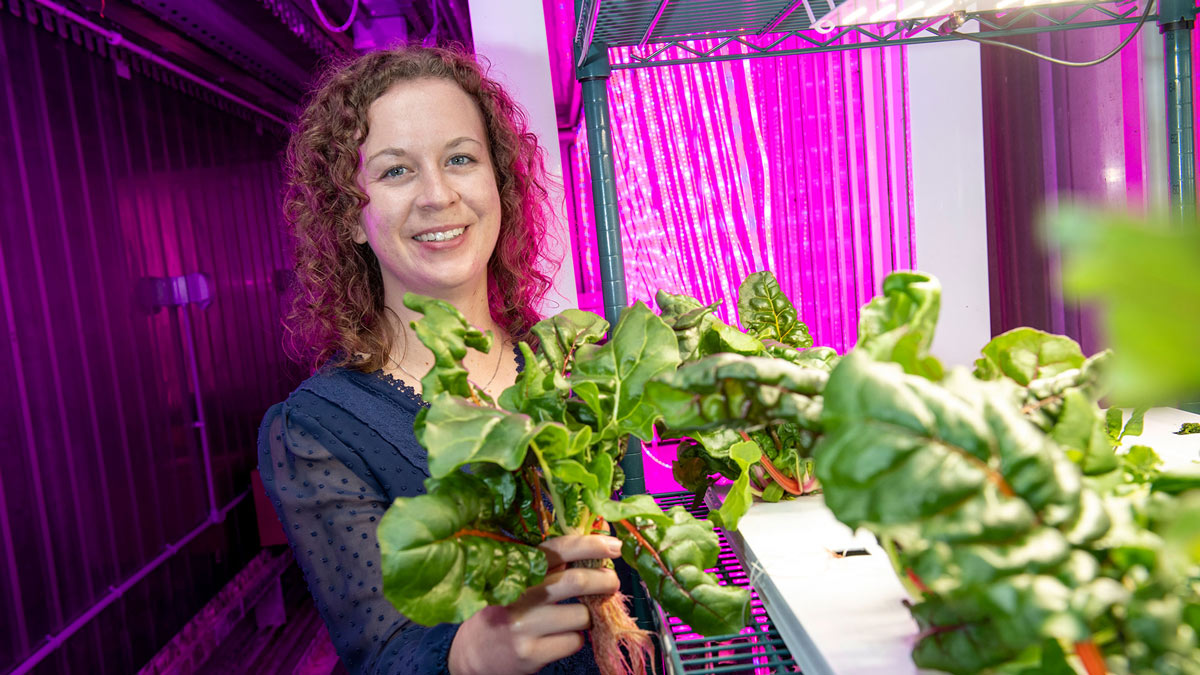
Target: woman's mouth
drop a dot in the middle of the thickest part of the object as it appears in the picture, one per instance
(445, 235)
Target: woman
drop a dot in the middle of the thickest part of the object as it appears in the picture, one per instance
(409, 170)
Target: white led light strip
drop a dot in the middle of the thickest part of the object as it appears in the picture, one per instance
(859, 12)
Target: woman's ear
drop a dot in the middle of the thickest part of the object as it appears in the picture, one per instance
(360, 235)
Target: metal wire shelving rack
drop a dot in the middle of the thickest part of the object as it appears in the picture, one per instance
(673, 32)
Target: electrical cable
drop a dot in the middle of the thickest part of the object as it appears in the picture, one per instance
(1051, 59)
(329, 25)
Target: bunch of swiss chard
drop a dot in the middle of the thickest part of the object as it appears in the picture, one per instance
(1029, 544)
(773, 461)
(543, 461)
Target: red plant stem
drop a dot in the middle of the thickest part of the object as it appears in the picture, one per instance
(638, 535)
(1093, 660)
(789, 485)
(487, 535)
(912, 576)
(538, 506)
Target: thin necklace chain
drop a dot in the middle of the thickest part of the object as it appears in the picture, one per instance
(495, 371)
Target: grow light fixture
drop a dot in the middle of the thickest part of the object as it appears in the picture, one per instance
(860, 12)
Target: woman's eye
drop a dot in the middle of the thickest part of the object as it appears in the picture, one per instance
(395, 172)
(461, 160)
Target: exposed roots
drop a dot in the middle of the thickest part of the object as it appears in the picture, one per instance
(621, 647)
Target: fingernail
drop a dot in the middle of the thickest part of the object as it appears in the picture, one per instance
(614, 547)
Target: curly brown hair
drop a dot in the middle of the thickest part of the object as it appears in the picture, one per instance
(337, 309)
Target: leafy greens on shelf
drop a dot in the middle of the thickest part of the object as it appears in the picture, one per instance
(998, 494)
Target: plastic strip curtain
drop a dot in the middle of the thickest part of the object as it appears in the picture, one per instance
(794, 164)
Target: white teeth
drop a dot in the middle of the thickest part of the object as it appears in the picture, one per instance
(441, 236)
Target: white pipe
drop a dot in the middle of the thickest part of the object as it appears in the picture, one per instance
(116, 39)
(55, 641)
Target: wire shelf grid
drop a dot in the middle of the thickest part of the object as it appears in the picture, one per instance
(757, 648)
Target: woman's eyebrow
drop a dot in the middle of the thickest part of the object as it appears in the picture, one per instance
(396, 152)
(460, 140)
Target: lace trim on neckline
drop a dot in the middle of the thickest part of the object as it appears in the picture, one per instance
(401, 387)
(407, 391)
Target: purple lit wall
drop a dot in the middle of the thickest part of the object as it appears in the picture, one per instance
(1054, 134)
(104, 180)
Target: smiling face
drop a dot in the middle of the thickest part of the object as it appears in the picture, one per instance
(434, 211)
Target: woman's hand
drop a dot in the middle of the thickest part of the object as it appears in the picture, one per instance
(534, 631)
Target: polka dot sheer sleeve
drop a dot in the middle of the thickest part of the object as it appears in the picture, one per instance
(330, 503)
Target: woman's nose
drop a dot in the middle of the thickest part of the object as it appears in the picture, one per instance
(436, 191)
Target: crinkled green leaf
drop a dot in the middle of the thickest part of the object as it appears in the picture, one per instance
(738, 499)
(512, 501)
(1081, 429)
(540, 391)
(445, 331)
(671, 554)
(437, 568)
(898, 324)
(457, 433)
(772, 493)
(637, 506)
(959, 636)
(570, 471)
(1112, 423)
(1027, 354)
(823, 358)
(688, 318)
(976, 628)
(560, 335)
(641, 347)
(721, 338)
(768, 314)
(603, 468)
(1136, 423)
(738, 392)
(699, 332)
(944, 442)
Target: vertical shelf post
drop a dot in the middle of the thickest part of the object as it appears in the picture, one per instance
(1175, 19)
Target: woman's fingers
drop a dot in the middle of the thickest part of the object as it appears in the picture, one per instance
(554, 647)
(572, 547)
(550, 619)
(571, 583)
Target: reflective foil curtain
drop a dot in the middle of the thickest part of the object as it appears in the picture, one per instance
(794, 164)
(110, 175)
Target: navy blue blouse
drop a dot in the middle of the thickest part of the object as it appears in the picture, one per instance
(333, 456)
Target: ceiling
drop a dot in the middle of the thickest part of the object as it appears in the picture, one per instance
(269, 50)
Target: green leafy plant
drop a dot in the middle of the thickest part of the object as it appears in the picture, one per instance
(543, 461)
(997, 494)
(781, 467)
